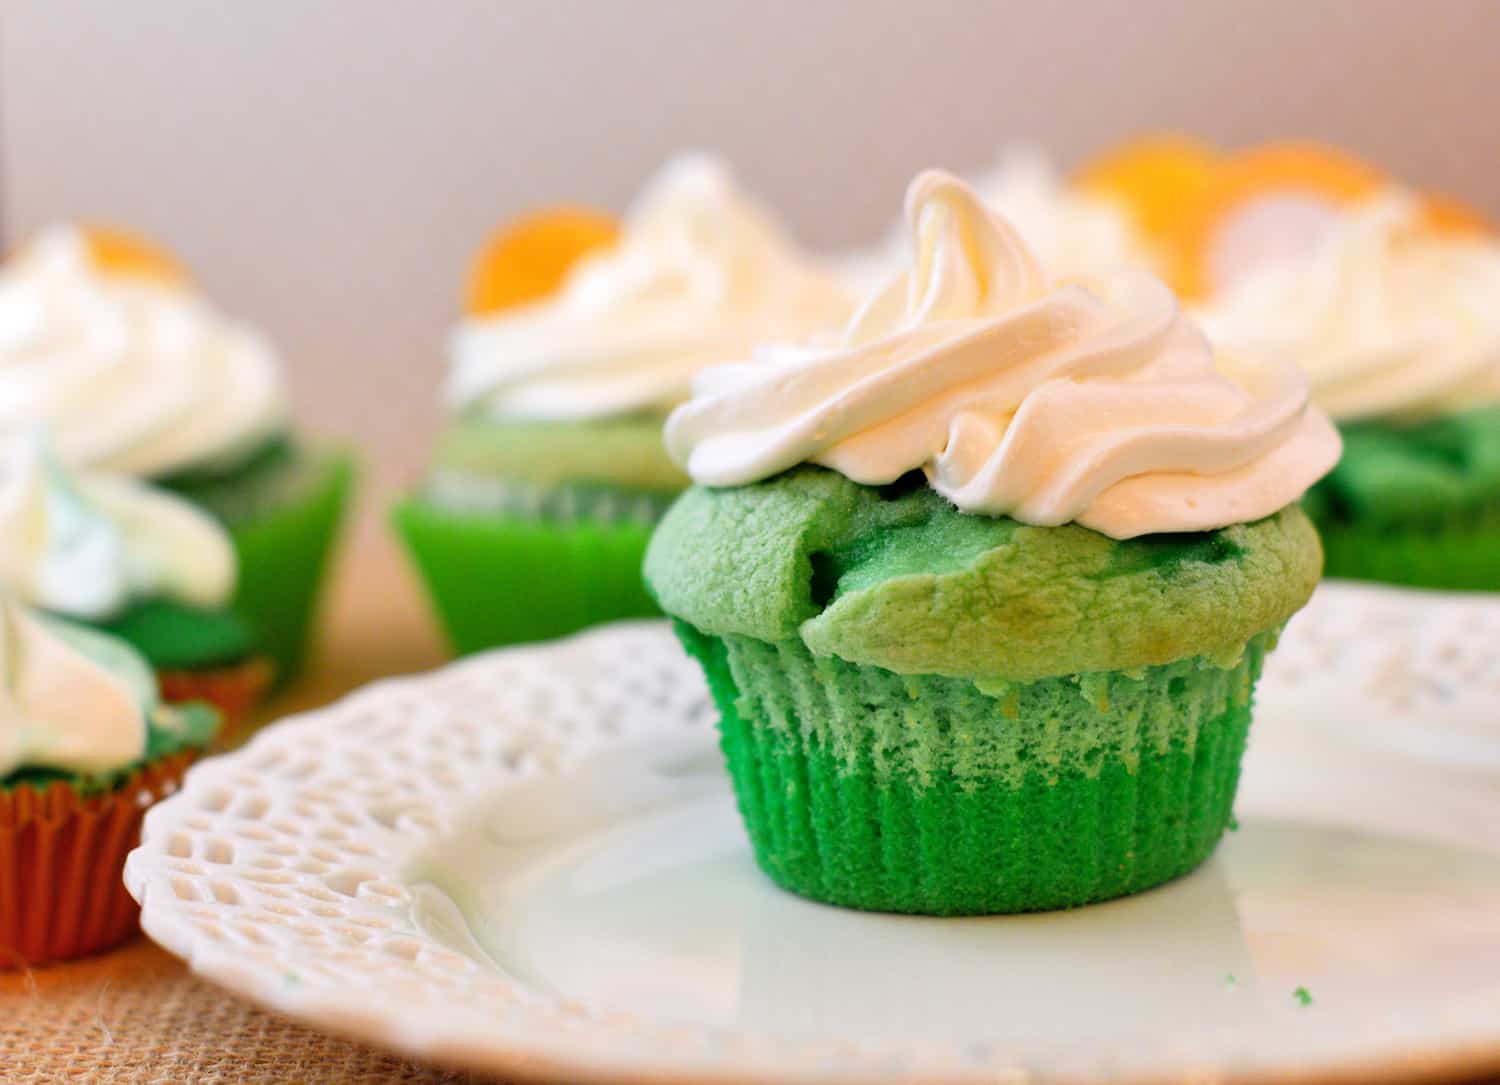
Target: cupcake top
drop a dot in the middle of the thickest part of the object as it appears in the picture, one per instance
(1389, 317)
(1076, 234)
(87, 545)
(133, 372)
(1017, 396)
(699, 274)
(80, 702)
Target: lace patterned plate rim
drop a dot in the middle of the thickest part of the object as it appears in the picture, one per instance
(434, 864)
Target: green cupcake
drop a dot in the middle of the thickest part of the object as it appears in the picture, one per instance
(134, 374)
(86, 745)
(982, 592)
(1397, 325)
(549, 477)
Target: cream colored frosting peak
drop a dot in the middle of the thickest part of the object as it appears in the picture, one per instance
(1078, 236)
(70, 699)
(86, 545)
(1017, 397)
(1385, 316)
(700, 275)
(130, 375)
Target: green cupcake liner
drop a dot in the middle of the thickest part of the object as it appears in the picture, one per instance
(496, 579)
(284, 551)
(1460, 552)
(873, 790)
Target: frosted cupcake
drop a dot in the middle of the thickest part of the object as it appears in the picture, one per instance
(132, 560)
(982, 591)
(1391, 304)
(104, 341)
(85, 747)
(550, 474)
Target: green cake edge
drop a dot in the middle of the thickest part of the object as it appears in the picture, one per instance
(896, 577)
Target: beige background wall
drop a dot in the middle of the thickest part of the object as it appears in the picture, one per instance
(327, 166)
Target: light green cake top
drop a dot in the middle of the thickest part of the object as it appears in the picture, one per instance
(624, 450)
(897, 577)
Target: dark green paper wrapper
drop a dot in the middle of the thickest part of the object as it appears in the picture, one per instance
(868, 789)
(284, 554)
(497, 579)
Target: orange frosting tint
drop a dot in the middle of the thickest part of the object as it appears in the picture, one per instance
(1306, 170)
(530, 257)
(129, 255)
(1153, 175)
(1453, 218)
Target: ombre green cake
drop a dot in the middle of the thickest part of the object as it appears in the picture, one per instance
(1416, 503)
(529, 530)
(935, 712)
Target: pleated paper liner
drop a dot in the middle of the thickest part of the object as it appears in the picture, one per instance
(62, 860)
(498, 580)
(924, 794)
(284, 553)
(235, 691)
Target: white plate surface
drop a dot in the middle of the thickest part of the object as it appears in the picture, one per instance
(530, 863)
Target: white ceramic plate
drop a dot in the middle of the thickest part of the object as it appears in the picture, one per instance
(530, 863)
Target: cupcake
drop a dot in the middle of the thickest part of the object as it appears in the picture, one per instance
(549, 475)
(983, 590)
(1390, 301)
(1079, 233)
(104, 341)
(132, 560)
(85, 746)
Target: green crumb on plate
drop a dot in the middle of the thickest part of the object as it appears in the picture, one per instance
(1230, 980)
(1303, 996)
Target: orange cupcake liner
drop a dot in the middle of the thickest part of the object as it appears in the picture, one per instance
(234, 691)
(62, 864)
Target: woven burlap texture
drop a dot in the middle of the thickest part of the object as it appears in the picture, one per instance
(136, 1017)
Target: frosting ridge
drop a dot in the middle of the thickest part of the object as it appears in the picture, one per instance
(1016, 396)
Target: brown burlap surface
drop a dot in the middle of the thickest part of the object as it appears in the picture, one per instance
(136, 1015)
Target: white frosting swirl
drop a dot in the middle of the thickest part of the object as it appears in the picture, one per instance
(87, 545)
(1076, 235)
(1385, 316)
(131, 375)
(700, 275)
(70, 699)
(1048, 404)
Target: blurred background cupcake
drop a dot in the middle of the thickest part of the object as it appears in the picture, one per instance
(580, 335)
(134, 560)
(105, 342)
(85, 747)
(1389, 299)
